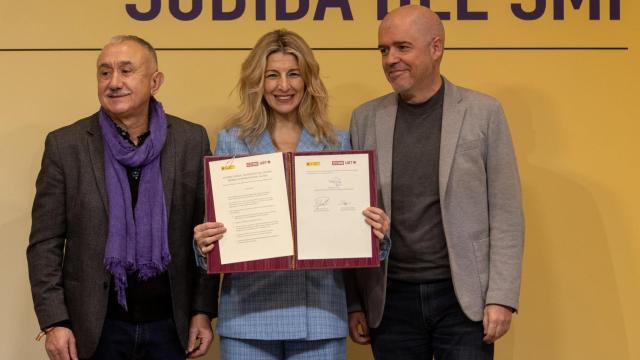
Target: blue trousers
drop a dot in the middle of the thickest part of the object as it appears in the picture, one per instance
(155, 340)
(425, 321)
(248, 349)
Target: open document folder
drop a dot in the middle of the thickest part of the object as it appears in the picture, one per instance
(292, 210)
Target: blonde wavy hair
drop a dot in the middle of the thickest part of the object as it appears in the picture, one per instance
(255, 115)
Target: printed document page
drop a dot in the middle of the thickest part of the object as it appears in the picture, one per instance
(331, 193)
(250, 199)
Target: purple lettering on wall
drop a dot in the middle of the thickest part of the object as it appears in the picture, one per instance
(614, 10)
(594, 8)
(220, 14)
(286, 10)
(134, 13)
(443, 15)
(383, 8)
(465, 14)
(282, 14)
(261, 10)
(196, 9)
(345, 9)
(534, 14)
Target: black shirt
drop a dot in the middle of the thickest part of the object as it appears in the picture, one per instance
(419, 252)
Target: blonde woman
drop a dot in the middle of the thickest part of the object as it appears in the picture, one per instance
(282, 314)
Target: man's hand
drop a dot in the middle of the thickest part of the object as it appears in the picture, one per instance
(496, 321)
(207, 234)
(378, 220)
(61, 344)
(200, 336)
(358, 328)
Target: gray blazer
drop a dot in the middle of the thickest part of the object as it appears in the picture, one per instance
(479, 198)
(69, 229)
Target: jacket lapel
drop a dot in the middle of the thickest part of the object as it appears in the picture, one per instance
(452, 117)
(168, 167)
(385, 122)
(96, 154)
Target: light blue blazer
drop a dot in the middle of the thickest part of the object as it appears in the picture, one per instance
(281, 305)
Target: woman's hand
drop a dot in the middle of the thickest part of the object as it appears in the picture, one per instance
(207, 235)
(378, 220)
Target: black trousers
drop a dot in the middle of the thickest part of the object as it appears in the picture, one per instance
(423, 321)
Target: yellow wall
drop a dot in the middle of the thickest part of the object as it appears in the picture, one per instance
(573, 115)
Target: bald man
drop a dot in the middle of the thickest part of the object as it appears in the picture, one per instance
(449, 181)
(110, 255)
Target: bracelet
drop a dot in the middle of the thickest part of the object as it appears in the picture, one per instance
(44, 332)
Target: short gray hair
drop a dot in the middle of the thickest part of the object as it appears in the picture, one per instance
(138, 40)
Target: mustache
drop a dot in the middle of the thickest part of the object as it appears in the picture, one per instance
(114, 93)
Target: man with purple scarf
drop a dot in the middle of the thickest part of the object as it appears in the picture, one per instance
(110, 255)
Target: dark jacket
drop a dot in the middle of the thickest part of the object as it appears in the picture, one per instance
(70, 224)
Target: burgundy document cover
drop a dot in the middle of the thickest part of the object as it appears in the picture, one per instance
(290, 262)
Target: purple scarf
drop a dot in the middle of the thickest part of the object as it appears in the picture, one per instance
(137, 240)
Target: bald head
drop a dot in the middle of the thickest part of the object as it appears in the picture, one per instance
(420, 20)
(411, 42)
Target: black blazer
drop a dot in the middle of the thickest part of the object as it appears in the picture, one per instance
(69, 229)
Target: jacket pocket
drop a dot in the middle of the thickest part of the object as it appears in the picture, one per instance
(481, 252)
